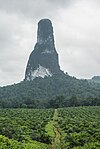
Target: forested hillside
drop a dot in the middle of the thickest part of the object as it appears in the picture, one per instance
(45, 92)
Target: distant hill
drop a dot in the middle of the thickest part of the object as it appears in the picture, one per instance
(95, 79)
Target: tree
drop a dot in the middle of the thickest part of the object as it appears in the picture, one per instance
(73, 101)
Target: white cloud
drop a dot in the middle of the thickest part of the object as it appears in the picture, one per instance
(16, 41)
(76, 27)
(80, 44)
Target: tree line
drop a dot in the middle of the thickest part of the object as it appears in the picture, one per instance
(55, 102)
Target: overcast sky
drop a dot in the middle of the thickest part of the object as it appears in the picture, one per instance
(77, 35)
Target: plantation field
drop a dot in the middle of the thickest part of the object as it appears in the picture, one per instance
(80, 127)
(24, 128)
(64, 128)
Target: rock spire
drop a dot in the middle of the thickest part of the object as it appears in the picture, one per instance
(43, 60)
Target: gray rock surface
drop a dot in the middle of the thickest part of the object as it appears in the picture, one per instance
(43, 60)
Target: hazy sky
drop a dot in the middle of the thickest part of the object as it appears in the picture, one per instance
(77, 35)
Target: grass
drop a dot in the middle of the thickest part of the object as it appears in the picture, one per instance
(52, 129)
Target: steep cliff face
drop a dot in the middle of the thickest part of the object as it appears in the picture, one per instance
(43, 60)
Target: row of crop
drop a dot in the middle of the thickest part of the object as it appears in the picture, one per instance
(25, 124)
(80, 127)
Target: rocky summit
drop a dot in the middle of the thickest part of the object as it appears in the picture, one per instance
(43, 61)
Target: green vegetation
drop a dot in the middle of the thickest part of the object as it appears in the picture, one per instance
(80, 127)
(25, 127)
(6, 143)
(62, 128)
(58, 91)
(50, 129)
(56, 143)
